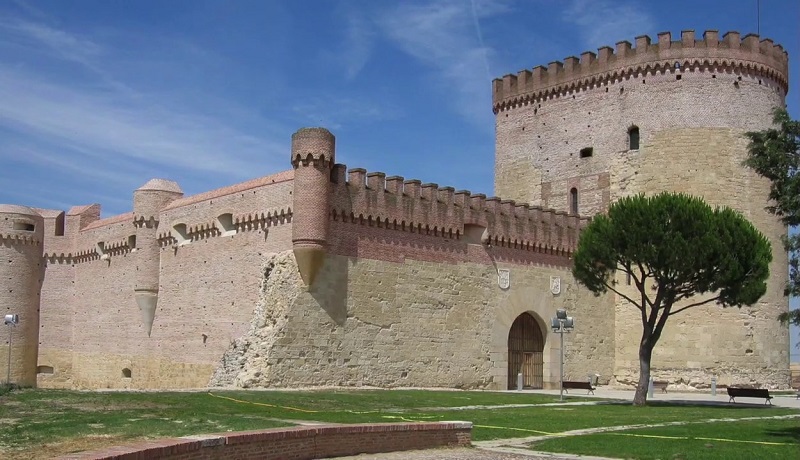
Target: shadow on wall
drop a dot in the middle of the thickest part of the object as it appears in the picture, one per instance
(330, 288)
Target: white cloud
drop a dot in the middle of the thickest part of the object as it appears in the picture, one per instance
(604, 22)
(446, 36)
(357, 44)
(63, 44)
(105, 125)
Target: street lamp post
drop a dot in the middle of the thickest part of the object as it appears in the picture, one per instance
(561, 324)
(10, 321)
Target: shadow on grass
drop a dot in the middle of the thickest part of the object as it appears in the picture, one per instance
(687, 403)
(694, 403)
(788, 434)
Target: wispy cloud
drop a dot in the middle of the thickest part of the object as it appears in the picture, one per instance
(476, 20)
(109, 125)
(334, 112)
(446, 36)
(105, 126)
(605, 23)
(358, 43)
(63, 44)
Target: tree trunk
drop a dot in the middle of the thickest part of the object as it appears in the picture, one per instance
(645, 354)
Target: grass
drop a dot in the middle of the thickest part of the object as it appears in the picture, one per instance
(777, 439)
(543, 420)
(35, 422)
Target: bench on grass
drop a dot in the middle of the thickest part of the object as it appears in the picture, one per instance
(660, 385)
(567, 385)
(749, 393)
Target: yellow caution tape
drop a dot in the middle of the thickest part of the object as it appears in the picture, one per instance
(264, 404)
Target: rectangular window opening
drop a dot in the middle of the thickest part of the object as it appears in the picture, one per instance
(586, 152)
(24, 226)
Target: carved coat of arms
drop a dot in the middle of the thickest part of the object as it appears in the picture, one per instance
(504, 278)
(555, 285)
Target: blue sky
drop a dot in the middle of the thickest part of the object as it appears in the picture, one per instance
(97, 97)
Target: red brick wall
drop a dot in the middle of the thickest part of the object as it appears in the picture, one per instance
(295, 443)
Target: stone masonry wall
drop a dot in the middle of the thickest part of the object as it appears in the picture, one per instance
(707, 162)
(383, 319)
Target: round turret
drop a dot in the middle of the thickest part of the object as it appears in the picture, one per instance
(148, 200)
(21, 234)
(313, 154)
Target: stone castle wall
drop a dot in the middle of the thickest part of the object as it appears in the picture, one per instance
(401, 288)
(691, 119)
(389, 320)
(406, 297)
(92, 329)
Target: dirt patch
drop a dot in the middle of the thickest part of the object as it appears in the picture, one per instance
(104, 406)
(67, 446)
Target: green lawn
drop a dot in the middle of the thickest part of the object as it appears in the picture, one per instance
(746, 440)
(53, 422)
(532, 421)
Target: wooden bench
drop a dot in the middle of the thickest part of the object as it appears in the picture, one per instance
(566, 385)
(749, 393)
(660, 385)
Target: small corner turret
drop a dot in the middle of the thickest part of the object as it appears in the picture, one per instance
(313, 155)
(21, 246)
(148, 200)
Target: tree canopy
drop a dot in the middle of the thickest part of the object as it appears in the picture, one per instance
(774, 153)
(673, 247)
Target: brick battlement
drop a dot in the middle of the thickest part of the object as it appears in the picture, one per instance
(125, 217)
(19, 239)
(409, 205)
(748, 54)
(258, 182)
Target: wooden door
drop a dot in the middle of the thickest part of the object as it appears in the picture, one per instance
(525, 353)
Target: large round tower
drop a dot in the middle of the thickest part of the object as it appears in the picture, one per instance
(664, 116)
(21, 245)
(313, 154)
(148, 200)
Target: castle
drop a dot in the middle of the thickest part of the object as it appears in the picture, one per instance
(321, 275)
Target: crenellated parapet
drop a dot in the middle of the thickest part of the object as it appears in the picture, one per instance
(731, 52)
(394, 203)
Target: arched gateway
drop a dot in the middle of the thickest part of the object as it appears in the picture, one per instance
(525, 353)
